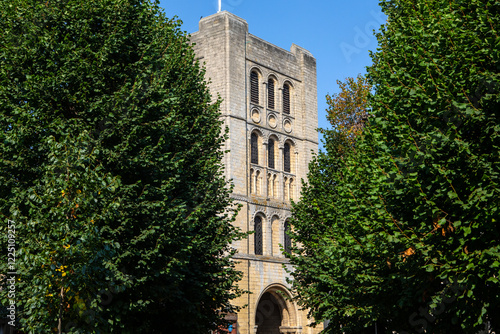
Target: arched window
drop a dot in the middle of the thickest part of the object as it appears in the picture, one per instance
(286, 158)
(270, 94)
(270, 153)
(254, 149)
(287, 242)
(258, 235)
(254, 87)
(286, 99)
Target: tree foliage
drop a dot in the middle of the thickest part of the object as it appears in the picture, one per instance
(110, 167)
(403, 232)
(347, 113)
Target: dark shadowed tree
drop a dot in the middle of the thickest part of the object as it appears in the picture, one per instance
(110, 167)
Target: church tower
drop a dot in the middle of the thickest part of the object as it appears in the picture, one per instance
(270, 107)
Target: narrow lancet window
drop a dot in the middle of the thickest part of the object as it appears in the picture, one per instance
(270, 94)
(254, 87)
(258, 235)
(254, 149)
(270, 148)
(286, 158)
(287, 243)
(286, 99)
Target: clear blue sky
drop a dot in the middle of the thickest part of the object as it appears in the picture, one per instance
(337, 32)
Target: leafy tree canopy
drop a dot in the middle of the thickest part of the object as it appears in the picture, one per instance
(402, 232)
(347, 113)
(110, 167)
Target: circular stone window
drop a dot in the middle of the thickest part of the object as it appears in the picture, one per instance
(272, 121)
(287, 125)
(256, 115)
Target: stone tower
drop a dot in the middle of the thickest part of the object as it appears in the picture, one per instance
(270, 107)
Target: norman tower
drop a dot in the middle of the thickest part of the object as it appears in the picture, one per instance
(270, 106)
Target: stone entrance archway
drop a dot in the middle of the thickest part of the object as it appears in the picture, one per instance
(268, 315)
(275, 313)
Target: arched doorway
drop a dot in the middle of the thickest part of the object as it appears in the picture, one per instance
(276, 313)
(268, 316)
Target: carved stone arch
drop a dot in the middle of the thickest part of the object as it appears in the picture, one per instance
(276, 311)
(256, 68)
(271, 214)
(282, 139)
(274, 134)
(258, 224)
(256, 148)
(275, 220)
(288, 82)
(274, 77)
(258, 169)
(260, 73)
(257, 210)
(255, 92)
(262, 133)
(258, 130)
(291, 140)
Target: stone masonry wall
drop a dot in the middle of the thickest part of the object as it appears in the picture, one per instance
(229, 54)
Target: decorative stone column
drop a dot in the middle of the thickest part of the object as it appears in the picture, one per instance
(280, 194)
(265, 170)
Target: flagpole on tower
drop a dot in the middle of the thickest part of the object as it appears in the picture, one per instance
(220, 6)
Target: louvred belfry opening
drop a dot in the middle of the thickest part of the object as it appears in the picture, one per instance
(270, 94)
(254, 87)
(286, 99)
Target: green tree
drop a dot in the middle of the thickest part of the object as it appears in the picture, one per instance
(347, 113)
(67, 261)
(110, 167)
(404, 232)
(314, 216)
